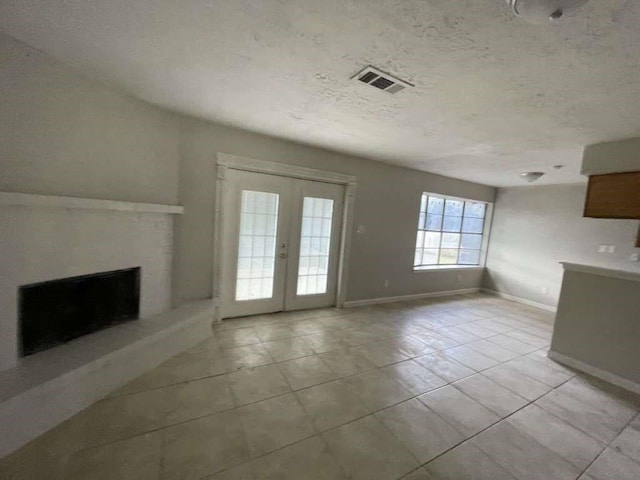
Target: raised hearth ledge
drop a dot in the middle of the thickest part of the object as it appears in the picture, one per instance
(48, 387)
(54, 201)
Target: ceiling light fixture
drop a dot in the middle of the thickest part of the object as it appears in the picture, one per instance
(541, 11)
(531, 176)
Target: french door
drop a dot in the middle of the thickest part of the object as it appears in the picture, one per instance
(280, 243)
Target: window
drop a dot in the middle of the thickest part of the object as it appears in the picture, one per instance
(449, 231)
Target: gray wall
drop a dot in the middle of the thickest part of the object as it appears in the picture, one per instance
(387, 205)
(597, 323)
(612, 157)
(62, 134)
(536, 227)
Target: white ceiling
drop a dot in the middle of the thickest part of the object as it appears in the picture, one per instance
(493, 95)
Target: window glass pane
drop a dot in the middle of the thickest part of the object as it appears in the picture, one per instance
(434, 222)
(423, 203)
(256, 248)
(472, 225)
(471, 241)
(453, 208)
(450, 231)
(450, 240)
(432, 239)
(430, 256)
(448, 256)
(436, 205)
(469, 257)
(452, 224)
(472, 209)
(421, 219)
(313, 264)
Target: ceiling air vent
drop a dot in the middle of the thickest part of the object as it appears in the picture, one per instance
(382, 81)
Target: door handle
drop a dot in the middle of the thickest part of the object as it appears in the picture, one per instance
(283, 255)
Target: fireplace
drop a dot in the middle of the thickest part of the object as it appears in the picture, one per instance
(57, 311)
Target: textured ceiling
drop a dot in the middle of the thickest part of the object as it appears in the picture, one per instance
(493, 95)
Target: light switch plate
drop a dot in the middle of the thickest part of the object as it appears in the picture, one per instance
(611, 249)
(602, 249)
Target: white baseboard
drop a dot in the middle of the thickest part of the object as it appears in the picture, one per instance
(415, 296)
(595, 371)
(524, 301)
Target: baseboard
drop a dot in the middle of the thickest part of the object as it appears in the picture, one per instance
(415, 296)
(524, 301)
(595, 371)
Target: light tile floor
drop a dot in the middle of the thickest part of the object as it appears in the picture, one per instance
(455, 388)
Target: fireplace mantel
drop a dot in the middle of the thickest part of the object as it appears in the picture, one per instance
(54, 201)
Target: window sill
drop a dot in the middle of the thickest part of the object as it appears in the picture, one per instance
(446, 268)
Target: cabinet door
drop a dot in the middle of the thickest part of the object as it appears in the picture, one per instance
(613, 196)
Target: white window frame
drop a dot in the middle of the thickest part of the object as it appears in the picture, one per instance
(488, 219)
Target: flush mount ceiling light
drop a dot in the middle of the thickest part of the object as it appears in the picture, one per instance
(531, 176)
(541, 11)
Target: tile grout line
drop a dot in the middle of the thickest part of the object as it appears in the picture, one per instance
(385, 339)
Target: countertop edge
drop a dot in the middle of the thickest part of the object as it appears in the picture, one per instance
(603, 271)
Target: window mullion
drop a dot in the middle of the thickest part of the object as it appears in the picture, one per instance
(444, 204)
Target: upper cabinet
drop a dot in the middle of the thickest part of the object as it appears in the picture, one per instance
(615, 195)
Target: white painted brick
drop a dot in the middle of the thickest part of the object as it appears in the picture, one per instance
(40, 244)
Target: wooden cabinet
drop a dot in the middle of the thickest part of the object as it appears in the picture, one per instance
(616, 195)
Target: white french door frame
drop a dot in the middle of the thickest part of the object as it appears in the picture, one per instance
(227, 162)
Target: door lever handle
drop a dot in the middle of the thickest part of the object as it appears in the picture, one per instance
(283, 255)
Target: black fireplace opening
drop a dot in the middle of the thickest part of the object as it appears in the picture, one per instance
(57, 311)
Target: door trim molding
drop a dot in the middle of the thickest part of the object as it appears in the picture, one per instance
(226, 161)
(284, 170)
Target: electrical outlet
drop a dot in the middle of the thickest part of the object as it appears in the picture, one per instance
(611, 249)
(361, 229)
(602, 249)
(544, 290)
(634, 257)
(386, 283)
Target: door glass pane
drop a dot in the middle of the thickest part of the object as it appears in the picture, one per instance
(257, 245)
(313, 264)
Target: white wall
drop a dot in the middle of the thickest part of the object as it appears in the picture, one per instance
(535, 228)
(63, 134)
(41, 244)
(387, 204)
(612, 157)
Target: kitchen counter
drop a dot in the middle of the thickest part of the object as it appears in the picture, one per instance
(597, 328)
(623, 271)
